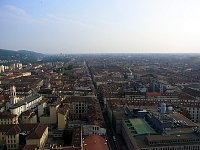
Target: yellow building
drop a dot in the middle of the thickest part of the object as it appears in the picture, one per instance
(39, 136)
(62, 116)
(33, 134)
(9, 135)
(53, 112)
(8, 118)
(49, 116)
(41, 105)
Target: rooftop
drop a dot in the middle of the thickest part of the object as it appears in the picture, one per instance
(180, 117)
(28, 113)
(139, 126)
(38, 131)
(95, 142)
(150, 94)
(30, 147)
(25, 100)
(7, 115)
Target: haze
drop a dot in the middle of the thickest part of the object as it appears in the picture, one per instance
(101, 26)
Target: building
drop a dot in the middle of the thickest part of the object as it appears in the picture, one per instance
(17, 105)
(161, 131)
(24, 134)
(41, 106)
(78, 107)
(1, 68)
(9, 135)
(27, 103)
(8, 118)
(38, 136)
(88, 111)
(13, 96)
(2, 102)
(54, 112)
(76, 144)
(16, 66)
(63, 116)
(28, 116)
(93, 142)
(50, 113)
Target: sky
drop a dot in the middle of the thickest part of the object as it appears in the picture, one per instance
(100, 26)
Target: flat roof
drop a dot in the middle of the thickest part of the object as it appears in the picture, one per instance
(196, 86)
(180, 117)
(139, 126)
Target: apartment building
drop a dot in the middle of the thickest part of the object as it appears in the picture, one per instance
(8, 118)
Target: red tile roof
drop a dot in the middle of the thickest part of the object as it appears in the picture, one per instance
(6, 115)
(30, 147)
(27, 127)
(10, 129)
(14, 130)
(153, 94)
(38, 132)
(28, 113)
(63, 109)
(95, 142)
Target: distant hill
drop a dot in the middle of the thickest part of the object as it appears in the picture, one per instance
(7, 54)
(23, 56)
(31, 53)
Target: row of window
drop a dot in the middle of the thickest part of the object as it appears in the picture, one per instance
(11, 141)
(7, 122)
(6, 119)
(11, 146)
(81, 104)
(177, 141)
(11, 136)
(81, 111)
(81, 107)
(192, 147)
(193, 108)
(95, 128)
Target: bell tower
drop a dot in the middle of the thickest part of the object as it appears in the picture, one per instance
(13, 95)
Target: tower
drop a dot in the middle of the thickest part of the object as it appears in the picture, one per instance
(13, 95)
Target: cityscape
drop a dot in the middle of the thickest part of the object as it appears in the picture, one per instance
(105, 101)
(99, 75)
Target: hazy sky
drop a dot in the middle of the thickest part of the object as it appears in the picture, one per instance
(89, 26)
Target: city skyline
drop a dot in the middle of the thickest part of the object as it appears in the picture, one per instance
(100, 26)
